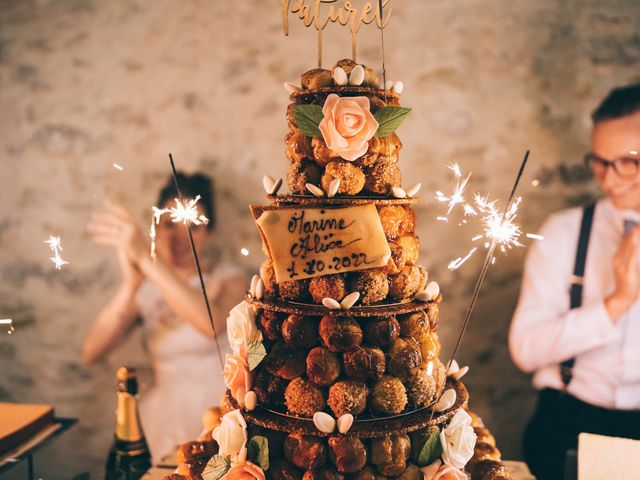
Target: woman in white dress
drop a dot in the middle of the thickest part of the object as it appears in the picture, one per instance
(165, 294)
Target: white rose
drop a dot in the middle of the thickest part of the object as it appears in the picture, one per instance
(241, 328)
(458, 440)
(231, 435)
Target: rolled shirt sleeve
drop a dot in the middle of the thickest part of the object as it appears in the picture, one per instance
(544, 330)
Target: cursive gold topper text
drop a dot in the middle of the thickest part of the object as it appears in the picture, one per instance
(309, 11)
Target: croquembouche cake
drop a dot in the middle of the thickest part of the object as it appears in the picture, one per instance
(335, 371)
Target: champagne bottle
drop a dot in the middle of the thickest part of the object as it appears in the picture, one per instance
(129, 454)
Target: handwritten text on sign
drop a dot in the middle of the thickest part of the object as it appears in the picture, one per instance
(310, 242)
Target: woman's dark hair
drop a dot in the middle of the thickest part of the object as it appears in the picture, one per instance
(620, 102)
(191, 186)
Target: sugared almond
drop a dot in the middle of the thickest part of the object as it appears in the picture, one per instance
(344, 422)
(453, 368)
(250, 400)
(259, 289)
(398, 192)
(291, 87)
(461, 373)
(413, 189)
(331, 304)
(446, 401)
(268, 183)
(433, 289)
(276, 187)
(333, 186)
(398, 87)
(254, 282)
(315, 190)
(350, 300)
(389, 85)
(340, 76)
(324, 422)
(356, 77)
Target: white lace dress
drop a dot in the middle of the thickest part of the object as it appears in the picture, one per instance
(188, 378)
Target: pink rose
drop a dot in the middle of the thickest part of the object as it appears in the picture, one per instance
(438, 471)
(237, 377)
(244, 471)
(348, 125)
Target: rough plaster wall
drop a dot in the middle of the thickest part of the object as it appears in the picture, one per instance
(84, 84)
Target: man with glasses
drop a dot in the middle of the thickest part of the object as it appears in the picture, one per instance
(577, 323)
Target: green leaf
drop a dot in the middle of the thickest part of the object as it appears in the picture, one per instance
(431, 450)
(255, 353)
(258, 451)
(390, 118)
(216, 467)
(308, 118)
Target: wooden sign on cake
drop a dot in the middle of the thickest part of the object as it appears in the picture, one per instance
(309, 242)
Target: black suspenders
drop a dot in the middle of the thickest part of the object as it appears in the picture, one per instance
(577, 281)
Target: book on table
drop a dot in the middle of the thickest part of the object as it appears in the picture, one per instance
(19, 422)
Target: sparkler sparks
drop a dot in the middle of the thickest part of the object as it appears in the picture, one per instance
(457, 195)
(56, 247)
(455, 264)
(501, 227)
(496, 224)
(184, 212)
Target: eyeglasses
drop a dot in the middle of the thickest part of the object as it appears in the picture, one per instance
(624, 166)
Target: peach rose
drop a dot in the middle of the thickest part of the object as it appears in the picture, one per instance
(348, 125)
(237, 377)
(244, 471)
(438, 471)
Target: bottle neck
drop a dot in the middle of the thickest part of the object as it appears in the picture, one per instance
(128, 427)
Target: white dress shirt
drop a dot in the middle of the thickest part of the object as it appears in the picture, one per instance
(544, 331)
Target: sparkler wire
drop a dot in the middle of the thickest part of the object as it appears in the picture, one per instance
(195, 257)
(483, 272)
(384, 70)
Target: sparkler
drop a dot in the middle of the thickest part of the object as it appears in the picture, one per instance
(152, 234)
(187, 220)
(488, 260)
(56, 247)
(384, 68)
(8, 321)
(118, 167)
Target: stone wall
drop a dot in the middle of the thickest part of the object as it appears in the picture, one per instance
(85, 84)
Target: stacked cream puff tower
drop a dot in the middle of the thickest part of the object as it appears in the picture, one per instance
(335, 370)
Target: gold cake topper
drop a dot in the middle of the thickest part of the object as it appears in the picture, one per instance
(312, 13)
